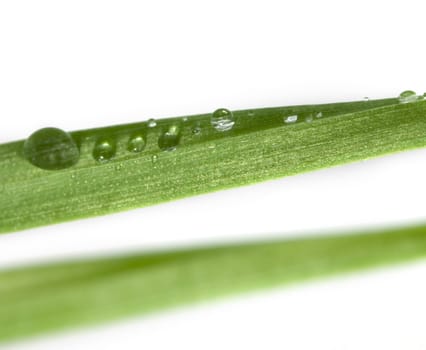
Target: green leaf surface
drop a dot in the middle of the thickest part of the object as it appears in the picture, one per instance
(57, 296)
(53, 178)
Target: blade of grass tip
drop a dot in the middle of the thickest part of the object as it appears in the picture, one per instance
(56, 176)
(40, 299)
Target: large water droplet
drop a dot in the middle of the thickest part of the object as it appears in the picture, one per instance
(290, 119)
(136, 144)
(407, 96)
(169, 140)
(51, 149)
(222, 119)
(104, 150)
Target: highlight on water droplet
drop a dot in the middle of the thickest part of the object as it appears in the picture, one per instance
(407, 96)
(136, 144)
(51, 149)
(152, 123)
(290, 119)
(104, 150)
(154, 158)
(169, 140)
(222, 119)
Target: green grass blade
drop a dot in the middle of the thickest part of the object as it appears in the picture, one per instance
(44, 298)
(140, 171)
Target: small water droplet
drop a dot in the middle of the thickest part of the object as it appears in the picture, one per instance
(154, 158)
(290, 119)
(119, 166)
(407, 96)
(318, 115)
(104, 150)
(222, 119)
(136, 144)
(196, 130)
(152, 123)
(51, 149)
(169, 140)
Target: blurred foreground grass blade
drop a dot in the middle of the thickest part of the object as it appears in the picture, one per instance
(55, 176)
(38, 299)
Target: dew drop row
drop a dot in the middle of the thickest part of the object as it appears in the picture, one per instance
(55, 149)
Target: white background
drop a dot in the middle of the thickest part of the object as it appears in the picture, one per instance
(80, 64)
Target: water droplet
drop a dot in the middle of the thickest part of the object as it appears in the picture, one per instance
(51, 149)
(290, 119)
(196, 130)
(104, 150)
(154, 159)
(169, 140)
(309, 118)
(222, 119)
(407, 96)
(152, 123)
(136, 144)
(318, 115)
(119, 166)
